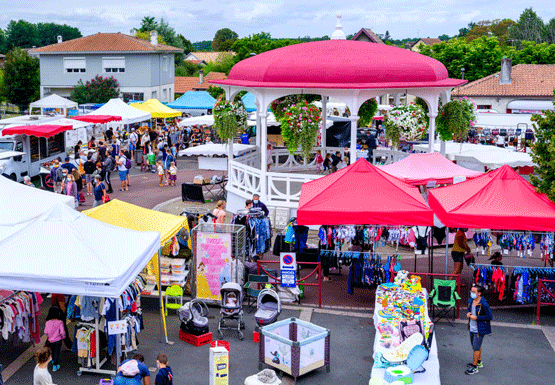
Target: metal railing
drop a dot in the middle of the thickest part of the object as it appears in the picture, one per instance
(542, 288)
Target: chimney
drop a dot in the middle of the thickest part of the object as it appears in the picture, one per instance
(200, 76)
(505, 77)
(59, 39)
(154, 37)
(133, 31)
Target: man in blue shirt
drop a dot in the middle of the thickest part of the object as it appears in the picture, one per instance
(257, 204)
(67, 165)
(143, 372)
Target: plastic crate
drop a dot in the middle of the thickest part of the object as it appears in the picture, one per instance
(225, 344)
(195, 340)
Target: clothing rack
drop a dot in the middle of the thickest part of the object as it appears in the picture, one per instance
(9, 297)
(484, 265)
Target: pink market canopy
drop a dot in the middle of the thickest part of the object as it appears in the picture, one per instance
(419, 169)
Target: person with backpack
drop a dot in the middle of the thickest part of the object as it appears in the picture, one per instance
(89, 169)
(57, 175)
(128, 166)
(121, 162)
(132, 371)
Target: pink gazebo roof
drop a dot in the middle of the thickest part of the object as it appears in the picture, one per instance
(339, 64)
(419, 169)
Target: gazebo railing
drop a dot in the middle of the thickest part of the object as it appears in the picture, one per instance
(285, 188)
(244, 179)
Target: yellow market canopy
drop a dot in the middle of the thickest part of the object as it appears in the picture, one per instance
(129, 216)
(156, 109)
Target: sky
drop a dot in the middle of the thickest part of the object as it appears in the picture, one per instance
(200, 19)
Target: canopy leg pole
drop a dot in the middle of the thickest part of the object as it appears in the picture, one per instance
(415, 262)
(162, 337)
(118, 338)
(446, 248)
(431, 252)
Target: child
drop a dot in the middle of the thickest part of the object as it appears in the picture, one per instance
(151, 157)
(55, 333)
(327, 163)
(165, 375)
(173, 173)
(230, 301)
(161, 173)
(319, 161)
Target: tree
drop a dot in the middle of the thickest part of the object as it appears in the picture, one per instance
(444, 37)
(148, 23)
(48, 33)
(21, 78)
(386, 37)
(256, 44)
(97, 90)
(21, 34)
(486, 28)
(366, 112)
(529, 27)
(550, 32)
(202, 46)
(543, 154)
(187, 68)
(185, 44)
(216, 92)
(223, 63)
(221, 36)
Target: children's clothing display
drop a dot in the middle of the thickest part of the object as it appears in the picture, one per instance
(259, 231)
(19, 316)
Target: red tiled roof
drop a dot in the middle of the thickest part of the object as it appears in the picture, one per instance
(191, 83)
(209, 57)
(106, 42)
(429, 41)
(370, 34)
(536, 80)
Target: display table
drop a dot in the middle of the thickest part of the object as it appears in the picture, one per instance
(431, 375)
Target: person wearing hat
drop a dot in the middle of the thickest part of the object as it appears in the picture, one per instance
(68, 165)
(260, 205)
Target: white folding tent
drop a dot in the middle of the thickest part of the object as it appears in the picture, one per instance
(53, 101)
(67, 252)
(213, 156)
(197, 120)
(21, 203)
(117, 107)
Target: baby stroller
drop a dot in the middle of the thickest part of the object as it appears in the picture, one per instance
(268, 307)
(193, 316)
(231, 308)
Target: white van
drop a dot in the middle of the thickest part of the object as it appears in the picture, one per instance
(22, 155)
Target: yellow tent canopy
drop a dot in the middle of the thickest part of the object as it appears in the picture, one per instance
(156, 109)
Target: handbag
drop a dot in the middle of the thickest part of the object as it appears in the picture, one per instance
(105, 198)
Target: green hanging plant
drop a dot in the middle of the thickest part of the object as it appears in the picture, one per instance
(299, 127)
(229, 118)
(455, 119)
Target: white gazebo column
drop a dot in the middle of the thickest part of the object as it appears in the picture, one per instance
(324, 125)
(397, 100)
(263, 115)
(257, 124)
(432, 130)
(354, 129)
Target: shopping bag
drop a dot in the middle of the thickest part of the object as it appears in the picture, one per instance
(81, 197)
(105, 198)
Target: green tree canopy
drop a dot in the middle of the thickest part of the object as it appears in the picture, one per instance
(21, 34)
(48, 33)
(148, 23)
(543, 154)
(21, 84)
(529, 27)
(185, 44)
(202, 46)
(97, 90)
(487, 28)
(256, 44)
(221, 36)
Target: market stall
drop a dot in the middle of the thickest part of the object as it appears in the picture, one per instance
(213, 156)
(193, 100)
(420, 169)
(117, 107)
(156, 109)
(207, 120)
(98, 119)
(55, 102)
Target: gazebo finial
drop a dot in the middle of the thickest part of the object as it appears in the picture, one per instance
(338, 34)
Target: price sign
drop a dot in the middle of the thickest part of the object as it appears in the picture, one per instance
(117, 327)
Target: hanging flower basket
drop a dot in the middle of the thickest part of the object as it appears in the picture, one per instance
(229, 118)
(455, 119)
(406, 123)
(299, 127)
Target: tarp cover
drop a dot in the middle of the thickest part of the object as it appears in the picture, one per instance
(101, 119)
(118, 107)
(21, 203)
(249, 101)
(419, 169)
(194, 100)
(500, 200)
(156, 109)
(54, 101)
(362, 194)
(216, 149)
(64, 251)
(197, 120)
(43, 131)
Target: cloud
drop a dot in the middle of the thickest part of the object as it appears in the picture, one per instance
(467, 17)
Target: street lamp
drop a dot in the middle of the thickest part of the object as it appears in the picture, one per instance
(462, 73)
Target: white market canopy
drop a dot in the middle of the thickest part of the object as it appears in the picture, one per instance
(490, 156)
(54, 101)
(212, 149)
(117, 107)
(68, 252)
(207, 120)
(514, 121)
(21, 203)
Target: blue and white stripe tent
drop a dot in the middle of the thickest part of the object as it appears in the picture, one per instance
(193, 100)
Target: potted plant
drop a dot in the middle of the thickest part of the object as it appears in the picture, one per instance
(299, 127)
(405, 123)
(455, 118)
(229, 118)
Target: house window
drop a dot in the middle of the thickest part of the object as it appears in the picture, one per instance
(165, 63)
(127, 96)
(165, 95)
(75, 64)
(154, 95)
(113, 64)
(483, 106)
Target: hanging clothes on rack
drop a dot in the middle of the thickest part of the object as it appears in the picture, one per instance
(19, 316)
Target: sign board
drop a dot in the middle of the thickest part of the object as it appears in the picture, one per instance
(288, 269)
(219, 366)
(117, 327)
(213, 264)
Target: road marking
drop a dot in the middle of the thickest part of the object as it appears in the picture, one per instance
(549, 333)
(306, 314)
(12, 368)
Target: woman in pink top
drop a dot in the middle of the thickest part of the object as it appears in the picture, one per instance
(55, 333)
(219, 212)
(71, 189)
